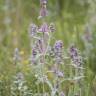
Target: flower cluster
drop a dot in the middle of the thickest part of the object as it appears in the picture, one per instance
(41, 36)
(74, 54)
(32, 30)
(59, 73)
(44, 28)
(58, 51)
(43, 10)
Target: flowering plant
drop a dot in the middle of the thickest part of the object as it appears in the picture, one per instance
(47, 59)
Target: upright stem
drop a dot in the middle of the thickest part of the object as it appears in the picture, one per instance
(43, 60)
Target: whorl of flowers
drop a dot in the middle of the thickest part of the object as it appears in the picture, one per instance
(58, 45)
(59, 73)
(75, 56)
(32, 30)
(58, 51)
(44, 28)
(43, 10)
(43, 1)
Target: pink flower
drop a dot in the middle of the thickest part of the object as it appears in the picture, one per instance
(43, 12)
(43, 1)
(44, 28)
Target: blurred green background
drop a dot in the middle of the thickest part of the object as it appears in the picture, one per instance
(70, 17)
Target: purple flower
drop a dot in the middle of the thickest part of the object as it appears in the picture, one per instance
(43, 12)
(44, 28)
(73, 51)
(59, 73)
(74, 54)
(58, 51)
(58, 44)
(43, 1)
(32, 29)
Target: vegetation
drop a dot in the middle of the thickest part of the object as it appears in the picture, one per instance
(47, 48)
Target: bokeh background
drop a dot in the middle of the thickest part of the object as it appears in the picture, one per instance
(74, 19)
